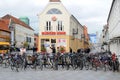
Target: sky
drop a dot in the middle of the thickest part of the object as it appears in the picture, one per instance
(92, 13)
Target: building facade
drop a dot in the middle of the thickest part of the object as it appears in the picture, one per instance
(4, 31)
(114, 27)
(22, 34)
(86, 38)
(59, 28)
(36, 40)
(105, 38)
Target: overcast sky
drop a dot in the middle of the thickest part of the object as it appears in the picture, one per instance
(92, 13)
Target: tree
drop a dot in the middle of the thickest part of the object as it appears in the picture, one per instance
(62, 49)
(25, 44)
(43, 49)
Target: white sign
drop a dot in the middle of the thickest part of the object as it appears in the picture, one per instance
(61, 42)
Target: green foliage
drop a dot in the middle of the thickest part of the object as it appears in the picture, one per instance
(43, 49)
(25, 44)
(62, 49)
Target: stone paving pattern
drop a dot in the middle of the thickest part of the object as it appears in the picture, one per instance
(61, 74)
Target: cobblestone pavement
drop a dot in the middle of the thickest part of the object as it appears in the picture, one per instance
(47, 74)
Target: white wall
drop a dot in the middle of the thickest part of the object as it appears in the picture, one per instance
(21, 33)
(114, 20)
(64, 17)
(114, 27)
(74, 24)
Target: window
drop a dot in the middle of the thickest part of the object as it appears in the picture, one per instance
(28, 39)
(4, 47)
(54, 11)
(34, 39)
(48, 25)
(4, 33)
(60, 26)
(53, 40)
(2, 39)
(43, 44)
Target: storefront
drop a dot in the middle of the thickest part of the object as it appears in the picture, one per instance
(57, 39)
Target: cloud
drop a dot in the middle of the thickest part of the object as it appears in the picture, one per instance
(92, 13)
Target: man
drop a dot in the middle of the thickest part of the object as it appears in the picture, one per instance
(113, 57)
(53, 49)
(70, 50)
(34, 49)
(115, 62)
(22, 51)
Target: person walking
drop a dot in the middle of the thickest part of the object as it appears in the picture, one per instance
(53, 50)
(115, 62)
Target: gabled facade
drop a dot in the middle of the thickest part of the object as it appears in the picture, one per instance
(59, 28)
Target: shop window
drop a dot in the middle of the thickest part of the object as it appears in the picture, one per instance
(43, 40)
(53, 40)
(43, 44)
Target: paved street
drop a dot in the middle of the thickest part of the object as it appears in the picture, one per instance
(47, 74)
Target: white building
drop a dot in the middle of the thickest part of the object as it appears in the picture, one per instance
(114, 27)
(22, 35)
(105, 38)
(59, 27)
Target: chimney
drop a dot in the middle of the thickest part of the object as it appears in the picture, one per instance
(54, 0)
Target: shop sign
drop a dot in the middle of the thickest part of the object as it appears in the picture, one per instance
(53, 33)
(48, 33)
(61, 33)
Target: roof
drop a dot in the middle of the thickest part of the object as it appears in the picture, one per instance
(17, 21)
(4, 25)
(110, 10)
(76, 20)
(36, 34)
(54, 0)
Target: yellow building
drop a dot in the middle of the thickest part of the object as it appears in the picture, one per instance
(86, 38)
(59, 28)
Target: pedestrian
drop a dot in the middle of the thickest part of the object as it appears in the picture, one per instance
(53, 49)
(70, 50)
(113, 57)
(34, 49)
(22, 51)
(115, 62)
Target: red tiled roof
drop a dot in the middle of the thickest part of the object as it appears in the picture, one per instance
(4, 24)
(17, 21)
